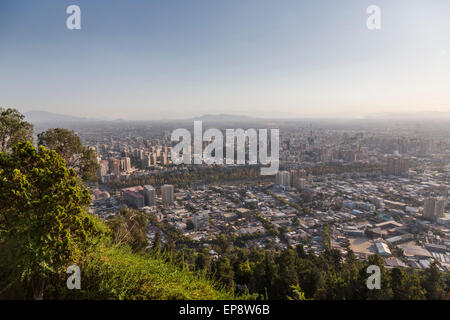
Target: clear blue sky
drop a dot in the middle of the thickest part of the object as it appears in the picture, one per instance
(151, 59)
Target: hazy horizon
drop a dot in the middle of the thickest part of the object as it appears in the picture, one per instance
(173, 60)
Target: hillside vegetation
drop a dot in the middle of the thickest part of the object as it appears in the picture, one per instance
(118, 273)
(45, 227)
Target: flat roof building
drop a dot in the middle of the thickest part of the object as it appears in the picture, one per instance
(383, 249)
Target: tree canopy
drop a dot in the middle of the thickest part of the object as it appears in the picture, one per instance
(13, 128)
(69, 146)
(44, 224)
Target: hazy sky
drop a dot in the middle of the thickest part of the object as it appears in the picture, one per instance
(151, 59)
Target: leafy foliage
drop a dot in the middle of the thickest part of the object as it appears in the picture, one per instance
(111, 272)
(44, 225)
(129, 227)
(68, 145)
(13, 128)
(279, 274)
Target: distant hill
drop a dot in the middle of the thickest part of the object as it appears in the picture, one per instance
(223, 117)
(425, 115)
(49, 117)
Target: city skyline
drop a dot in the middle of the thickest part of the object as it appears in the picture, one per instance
(256, 58)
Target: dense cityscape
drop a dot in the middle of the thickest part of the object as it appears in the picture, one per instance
(380, 193)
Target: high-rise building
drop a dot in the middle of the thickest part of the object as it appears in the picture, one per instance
(434, 208)
(149, 195)
(114, 166)
(145, 162)
(133, 196)
(153, 158)
(200, 219)
(167, 192)
(163, 158)
(125, 164)
(297, 178)
(397, 166)
(103, 168)
(140, 154)
(283, 179)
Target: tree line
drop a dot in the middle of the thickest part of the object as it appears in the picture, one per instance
(293, 273)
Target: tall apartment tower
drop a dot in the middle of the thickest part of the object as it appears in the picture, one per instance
(397, 166)
(283, 179)
(145, 162)
(167, 191)
(125, 163)
(297, 178)
(103, 168)
(163, 158)
(114, 166)
(149, 195)
(434, 208)
(153, 159)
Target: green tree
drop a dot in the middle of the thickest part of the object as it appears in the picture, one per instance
(203, 260)
(129, 227)
(297, 293)
(13, 128)
(406, 286)
(310, 277)
(385, 293)
(69, 146)
(287, 275)
(225, 273)
(157, 243)
(432, 282)
(44, 224)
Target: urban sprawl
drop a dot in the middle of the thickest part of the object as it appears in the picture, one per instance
(379, 191)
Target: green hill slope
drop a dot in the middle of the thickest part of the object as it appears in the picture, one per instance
(117, 273)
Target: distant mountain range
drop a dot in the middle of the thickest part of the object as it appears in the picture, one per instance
(223, 117)
(425, 115)
(49, 117)
(46, 117)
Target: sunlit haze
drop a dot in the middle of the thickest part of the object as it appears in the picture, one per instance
(276, 59)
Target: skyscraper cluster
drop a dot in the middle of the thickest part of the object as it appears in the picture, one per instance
(283, 179)
(138, 196)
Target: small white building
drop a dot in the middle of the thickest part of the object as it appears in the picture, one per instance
(383, 249)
